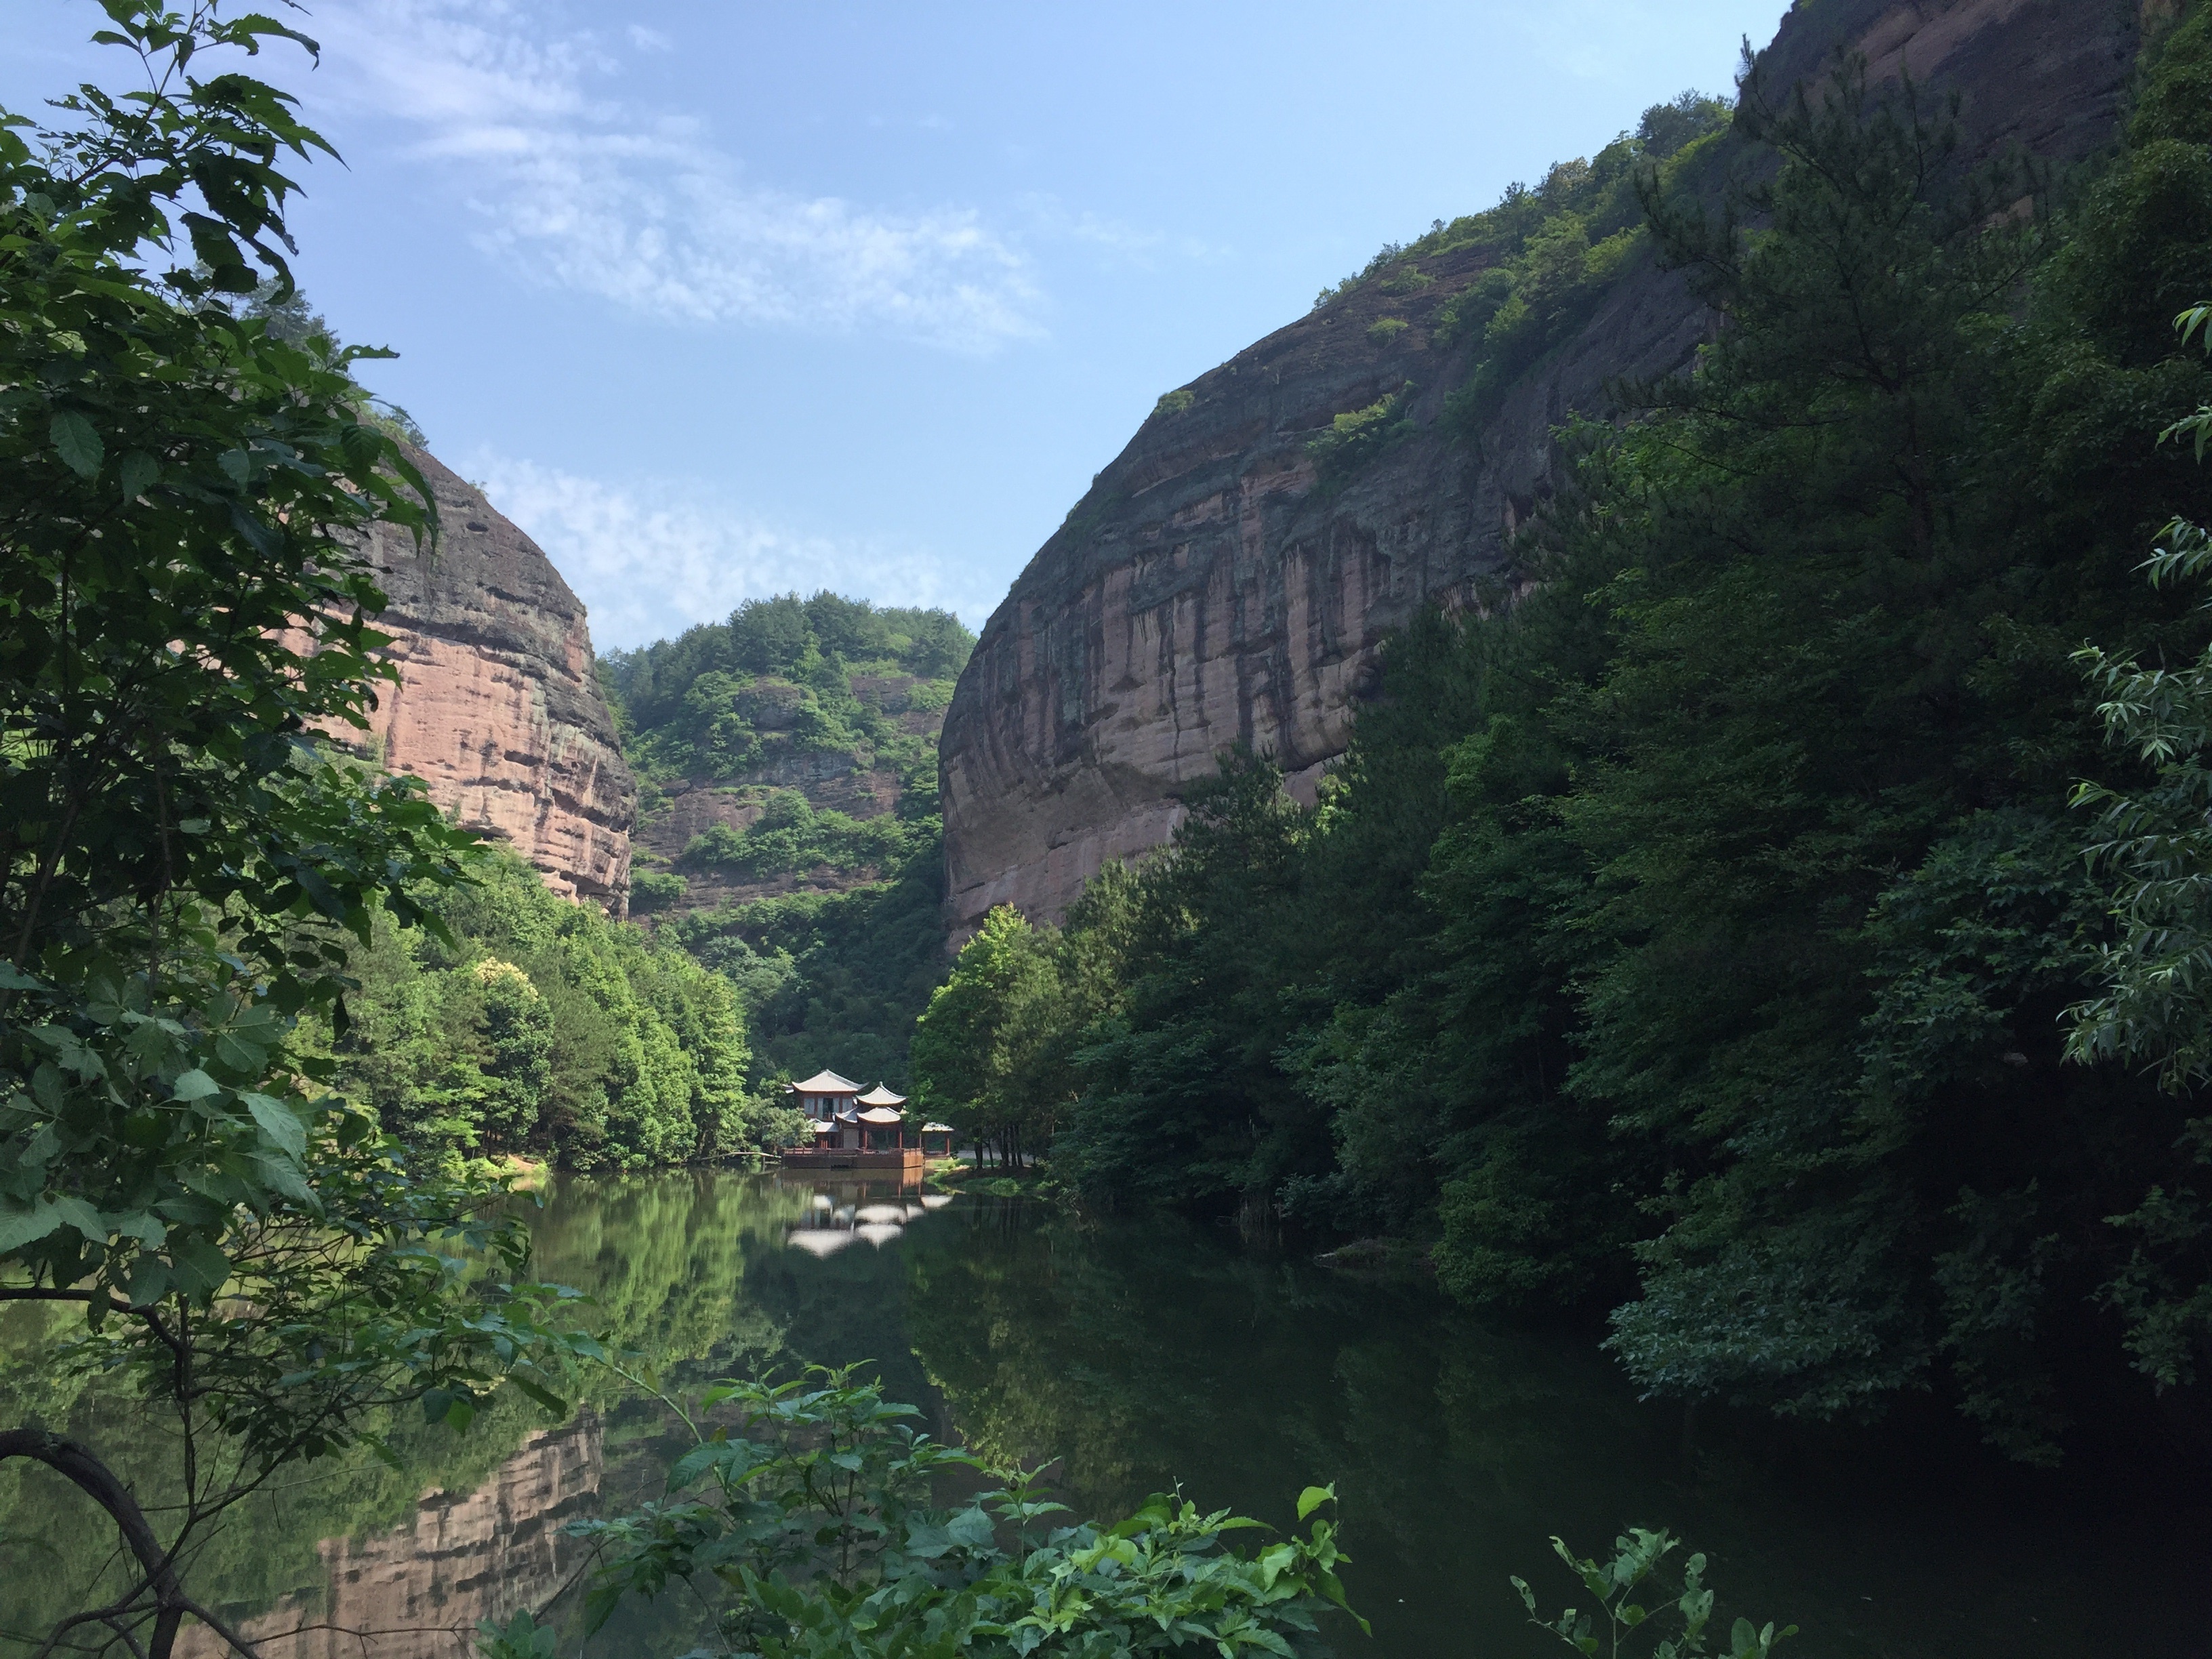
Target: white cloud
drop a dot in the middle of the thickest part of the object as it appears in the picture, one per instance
(575, 188)
(649, 561)
(646, 39)
(1051, 217)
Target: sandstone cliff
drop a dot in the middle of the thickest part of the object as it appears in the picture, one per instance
(1207, 590)
(498, 709)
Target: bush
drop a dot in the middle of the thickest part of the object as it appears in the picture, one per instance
(655, 890)
(806, 1525)
(790, 834)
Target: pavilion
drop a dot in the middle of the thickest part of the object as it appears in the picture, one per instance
(856, 1131)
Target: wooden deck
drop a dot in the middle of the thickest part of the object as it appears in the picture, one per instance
(906, 1162)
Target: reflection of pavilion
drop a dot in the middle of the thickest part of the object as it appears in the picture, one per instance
(856, 1131)
(842, 1212)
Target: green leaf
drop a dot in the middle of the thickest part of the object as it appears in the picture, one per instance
(195, 1084)
(141, 1226)
(545, 1396)
(76, 1212)
(77, 443)
(1314, 1497)
(137, 473)
(202, 1269)
(21, 1227)
(277, 1122)
(150, 1280)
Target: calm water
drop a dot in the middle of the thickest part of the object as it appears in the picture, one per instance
(1143, 1353)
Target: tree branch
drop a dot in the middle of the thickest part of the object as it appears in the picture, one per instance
(77, 1465)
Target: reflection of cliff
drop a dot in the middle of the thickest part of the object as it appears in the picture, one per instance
(416, 1591)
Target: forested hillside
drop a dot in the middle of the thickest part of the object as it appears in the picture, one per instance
(787, 831)
(542, 1027)
(1691, 929)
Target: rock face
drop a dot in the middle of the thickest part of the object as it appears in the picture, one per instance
(498, 709)
(1207, 592)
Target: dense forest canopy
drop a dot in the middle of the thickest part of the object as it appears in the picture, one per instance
(538, 1027)
(1693, 935)
(775, 681)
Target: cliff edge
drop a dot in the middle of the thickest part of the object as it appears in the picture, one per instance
(498, 708)
(1218, 585)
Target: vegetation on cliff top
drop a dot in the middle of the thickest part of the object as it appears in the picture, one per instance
(1692, 938)
(1550, 254)
(785, 678)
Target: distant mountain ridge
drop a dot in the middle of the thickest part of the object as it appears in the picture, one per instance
(1230, 576)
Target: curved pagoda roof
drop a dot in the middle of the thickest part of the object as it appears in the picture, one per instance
(826, 1083)
(880, 1095)
(881, 1116)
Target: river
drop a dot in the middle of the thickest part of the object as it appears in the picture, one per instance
(1143, 1352)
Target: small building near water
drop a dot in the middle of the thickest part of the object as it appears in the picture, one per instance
(855, 1131)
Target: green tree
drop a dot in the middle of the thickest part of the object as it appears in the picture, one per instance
(977, 1046)
(1689, 931)
(537, 1026)
(183, 604)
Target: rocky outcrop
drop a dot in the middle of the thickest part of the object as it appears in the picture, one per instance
(498, 709)
(858, 784)
(1207, 591)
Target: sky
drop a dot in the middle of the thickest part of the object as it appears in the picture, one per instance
(721, 300)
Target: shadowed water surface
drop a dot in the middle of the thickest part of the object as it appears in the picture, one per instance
(1142, 1352)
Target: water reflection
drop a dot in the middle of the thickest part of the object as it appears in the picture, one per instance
(417, 1590)
(834, 1216)
(1138, 1353)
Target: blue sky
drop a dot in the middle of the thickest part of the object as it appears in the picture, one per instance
(724, 299)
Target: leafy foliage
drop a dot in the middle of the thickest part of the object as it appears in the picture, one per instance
(800, 690)
(832, 979)
(979, 1048)
(188, 867)
(1551, 253)
(817, 1522)
(1636, 1555)
(790, 834)
(1353, 439)
(540, 1027)
(778, 681)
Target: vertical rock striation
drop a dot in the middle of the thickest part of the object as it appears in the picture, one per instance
(417, 1590)
(1209, 591)
(498, 708)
